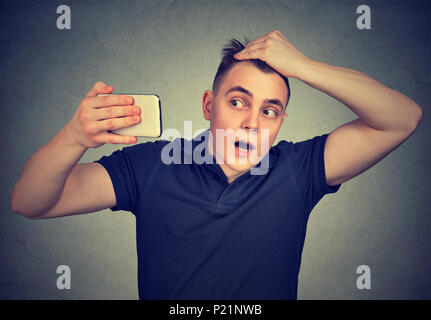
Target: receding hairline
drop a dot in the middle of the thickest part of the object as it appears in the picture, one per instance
(221, 78)
(228, 61)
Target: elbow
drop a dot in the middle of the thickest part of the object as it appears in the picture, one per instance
(417, 119)
(13, 204)
(24, 213)
(18, 209)
(13, 207)
(421, 115)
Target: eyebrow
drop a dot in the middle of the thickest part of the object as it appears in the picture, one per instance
(247, 92)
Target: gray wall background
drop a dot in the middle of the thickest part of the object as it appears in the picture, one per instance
(172, 48)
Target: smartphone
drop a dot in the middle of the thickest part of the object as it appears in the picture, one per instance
(151, 116)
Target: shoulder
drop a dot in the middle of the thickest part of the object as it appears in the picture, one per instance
(137, 154)
(149, 146)
(302, 154)
(299, 147)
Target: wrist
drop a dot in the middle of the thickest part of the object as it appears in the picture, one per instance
(68, 140)
(305, 68)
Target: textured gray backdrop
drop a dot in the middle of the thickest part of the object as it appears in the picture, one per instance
(172, 48)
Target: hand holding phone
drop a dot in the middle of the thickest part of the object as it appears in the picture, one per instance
(150, 124)
(102, 118)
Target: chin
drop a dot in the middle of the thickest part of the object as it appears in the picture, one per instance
(239, 167)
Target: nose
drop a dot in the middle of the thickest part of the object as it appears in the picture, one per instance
(251, 122)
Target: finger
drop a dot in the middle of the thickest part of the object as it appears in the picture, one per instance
(252, 45)
(99, 88)
(269, 35)
(258, 39)
(276, 33)
(115, 123)
(110, 100)
(264, 37)
(263, 41)
(116, 138)
(249, 54)
(115, 112)
(255, 45)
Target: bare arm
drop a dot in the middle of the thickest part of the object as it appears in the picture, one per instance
(52, 184)
(88, 189)
(44, 175)
(386, 118)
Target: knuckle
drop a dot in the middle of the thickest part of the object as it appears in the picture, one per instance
(129, 110)
(108, 112)
(130, 120)
(105, 100)
(99, 84)
(84, 116)
(81, 117)
(123, 99)
(109, 124)
(88, 128)
(84, 102)
(94, 139)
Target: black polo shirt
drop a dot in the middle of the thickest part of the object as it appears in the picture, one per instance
(199, 237)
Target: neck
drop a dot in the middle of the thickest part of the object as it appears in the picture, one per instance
(230, 173)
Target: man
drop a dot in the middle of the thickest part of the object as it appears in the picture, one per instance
(214, 230)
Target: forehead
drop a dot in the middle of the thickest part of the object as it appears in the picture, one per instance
(262, 85)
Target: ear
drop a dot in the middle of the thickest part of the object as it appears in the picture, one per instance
(207, 104)
(284, 118)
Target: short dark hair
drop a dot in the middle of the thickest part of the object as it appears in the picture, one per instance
(228, 61)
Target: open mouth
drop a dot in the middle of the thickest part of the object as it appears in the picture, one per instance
(244, 146)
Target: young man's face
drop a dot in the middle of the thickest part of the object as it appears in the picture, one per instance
(251, 103)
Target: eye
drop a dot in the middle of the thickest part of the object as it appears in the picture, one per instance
(234, 103)
(270, 113)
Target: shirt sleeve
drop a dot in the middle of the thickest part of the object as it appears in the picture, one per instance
(309, 170)
(129, 169)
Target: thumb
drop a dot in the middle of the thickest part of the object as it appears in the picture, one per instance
(99, 88)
